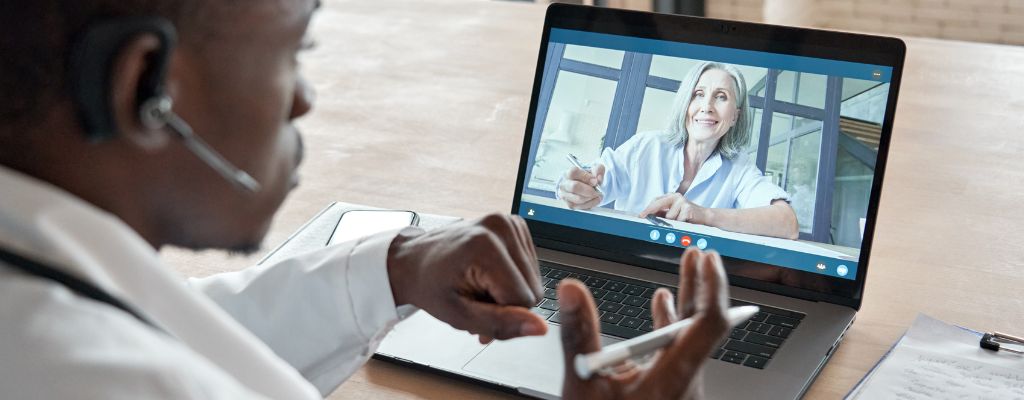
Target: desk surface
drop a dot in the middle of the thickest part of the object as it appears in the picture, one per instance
(422, 105)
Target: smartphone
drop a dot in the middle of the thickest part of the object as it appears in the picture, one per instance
(355, 224)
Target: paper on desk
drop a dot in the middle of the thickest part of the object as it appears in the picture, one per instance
(935, 360)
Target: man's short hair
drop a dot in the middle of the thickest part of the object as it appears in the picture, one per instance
(36, 37)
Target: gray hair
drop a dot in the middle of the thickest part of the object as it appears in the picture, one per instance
(737, 138)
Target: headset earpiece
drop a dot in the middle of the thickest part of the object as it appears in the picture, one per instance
(90, 70)
(155, 112)
(91, 65)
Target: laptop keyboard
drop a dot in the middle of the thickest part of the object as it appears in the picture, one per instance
(624, 308)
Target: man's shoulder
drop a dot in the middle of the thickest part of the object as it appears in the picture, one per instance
(58, 345)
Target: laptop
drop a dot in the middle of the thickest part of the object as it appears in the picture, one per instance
(818, 110)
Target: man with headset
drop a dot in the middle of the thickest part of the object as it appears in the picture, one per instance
(102, 104)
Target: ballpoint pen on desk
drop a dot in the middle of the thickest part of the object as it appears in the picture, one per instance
(576, 163)
(994, 341)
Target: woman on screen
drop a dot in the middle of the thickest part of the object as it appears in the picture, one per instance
(696, 170)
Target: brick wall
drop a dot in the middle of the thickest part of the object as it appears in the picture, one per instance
(996, 21)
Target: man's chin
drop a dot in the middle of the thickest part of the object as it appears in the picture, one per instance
(245, 249)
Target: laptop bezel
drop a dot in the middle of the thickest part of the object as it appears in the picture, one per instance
(741, 35)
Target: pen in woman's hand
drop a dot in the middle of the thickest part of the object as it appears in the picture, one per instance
(576, 163)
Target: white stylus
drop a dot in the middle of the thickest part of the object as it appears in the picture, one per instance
(587, 364)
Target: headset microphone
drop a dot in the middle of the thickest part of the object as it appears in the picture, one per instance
(157, 113)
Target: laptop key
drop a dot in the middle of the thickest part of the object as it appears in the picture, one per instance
(759, 317)
(647, 326)
(765, 340)
(612, 318)
(634, 301)
(610, 306)
(552, 284)
(756, 362)
(557, 274)
(750, 348)
(556, 318)
(614, 296)
(596, 283)
(544, 313)
(759, 327)
(615, 286)
(632, 323)
(784, 322)
(580, 277)
(647, 305)
(648, 293)
(631, 311)
(549, 304)
(734, 357)
(717, 353)
(738, 334)
(544, 270)
(551, 293)
(781, 332)
(619, 331)
(633, 290)
(598, 293)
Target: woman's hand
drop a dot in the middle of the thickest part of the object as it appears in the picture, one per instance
(675, 372)
(578, 187)
(676, 206)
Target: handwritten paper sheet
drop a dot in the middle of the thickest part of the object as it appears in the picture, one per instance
(935, 360)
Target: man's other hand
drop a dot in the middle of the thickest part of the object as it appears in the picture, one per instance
(480, 276)
(674, 373)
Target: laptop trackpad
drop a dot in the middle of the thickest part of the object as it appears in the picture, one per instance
(531, 362)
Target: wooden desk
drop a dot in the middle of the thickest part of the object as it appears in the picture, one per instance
(422, 105)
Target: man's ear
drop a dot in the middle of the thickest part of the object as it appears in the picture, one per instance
(131, 72)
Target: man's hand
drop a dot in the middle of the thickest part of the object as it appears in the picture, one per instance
(577, 189)
(676, 206)
(674, 372)
(480, 276)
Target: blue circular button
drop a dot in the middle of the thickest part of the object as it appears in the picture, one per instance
(842, 270)
(655, 235)
(670, 238)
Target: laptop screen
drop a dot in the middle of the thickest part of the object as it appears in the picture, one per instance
(765, 157)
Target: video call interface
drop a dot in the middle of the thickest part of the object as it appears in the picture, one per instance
(763, 157)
